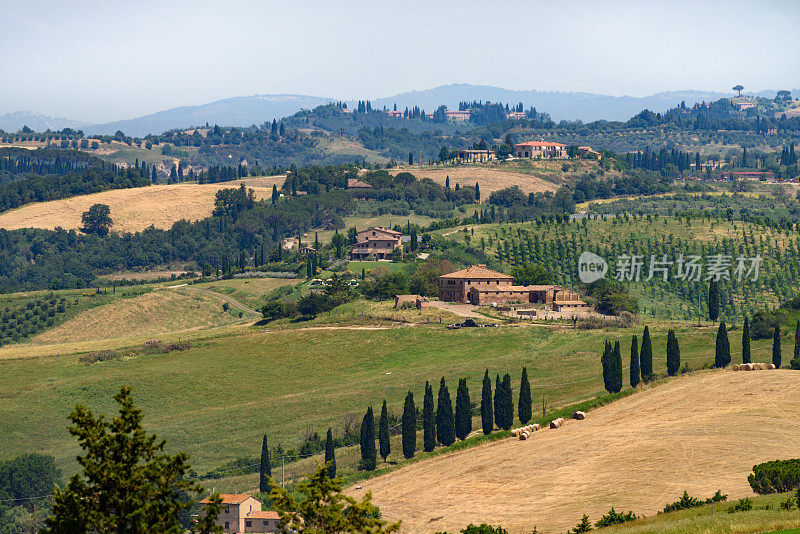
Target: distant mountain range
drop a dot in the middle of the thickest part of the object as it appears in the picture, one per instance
(257, 109)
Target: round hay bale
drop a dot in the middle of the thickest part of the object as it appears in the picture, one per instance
(735, 367)
(536, 427)
(580, 416)
(769, 366)
(523, 436)
(757, 366)
(514, 432)
(746, 367)
(555, 423)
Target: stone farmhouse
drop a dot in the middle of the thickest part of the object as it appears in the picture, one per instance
(378, 243)
(482, 287)
(540, 149)
(242, 513)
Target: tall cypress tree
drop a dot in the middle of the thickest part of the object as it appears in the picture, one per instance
(646, 355)
(722, 348)
(796, 353)
(463, 411)
(383, 432)
(409, 426)
(265, 469)
(634, 374)
(487, 411)
(746, 341)
(776, 347)
(498, 393)
(428, 421)
(330, 455)
(506, 404)
(713, 300)
(445, 422)
(617, 360)
(369, 456)
(477, 192)
(673, 354)
(605, 361)
(525, 404)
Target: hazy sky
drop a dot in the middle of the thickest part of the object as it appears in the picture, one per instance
(108, 60)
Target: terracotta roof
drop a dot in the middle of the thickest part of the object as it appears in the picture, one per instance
(495, 287)
(231, 498)
(383, 230)
(477, 271)
(263, 514)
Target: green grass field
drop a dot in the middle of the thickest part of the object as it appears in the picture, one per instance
(217, 399)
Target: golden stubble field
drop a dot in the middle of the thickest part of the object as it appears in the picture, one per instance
(488, 178)
(135, 209)
(697, 433)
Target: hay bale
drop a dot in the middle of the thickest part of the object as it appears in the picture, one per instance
(735, 367)
(768, 366)
(580, 416)
(535, 427)
(555, 423)
(746, 367)
(523, 436)
(516, 432)
(757, 366)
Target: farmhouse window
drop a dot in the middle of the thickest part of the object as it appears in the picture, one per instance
(248, 524)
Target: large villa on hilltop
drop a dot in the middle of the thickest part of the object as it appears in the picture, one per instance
(481, 286)
(540, 149)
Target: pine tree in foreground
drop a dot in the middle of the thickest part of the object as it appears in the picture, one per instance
(776, 347)
(646, 356)
(722, 348)
(746, 341)
(369, 456)
(634, 372)
(409, 426)
(428, 420)
(525, 404)
(463, 411)
(383, 432)
(487, 411)
(330, 455)
(617, 362)
(673, 354)
(445, 421)
(265, 468)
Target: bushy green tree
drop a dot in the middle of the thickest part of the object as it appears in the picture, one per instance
(525, 404)
(428, 420)
(445, 421)
(487, 410)
(97, 220)
(126, 483)
(321, 507)
(409, 426)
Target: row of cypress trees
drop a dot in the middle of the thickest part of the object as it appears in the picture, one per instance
(641, 361)
(722, 349)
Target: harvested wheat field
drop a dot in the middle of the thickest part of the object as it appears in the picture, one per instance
(698, 433)
(488, 178)
(144, 316)
(135, 209)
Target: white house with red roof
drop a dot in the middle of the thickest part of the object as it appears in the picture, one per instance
(540, 149)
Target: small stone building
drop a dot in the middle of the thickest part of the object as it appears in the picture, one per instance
(242, 513)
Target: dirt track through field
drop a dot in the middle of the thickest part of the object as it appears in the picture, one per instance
(697, 433)
(489, 179)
